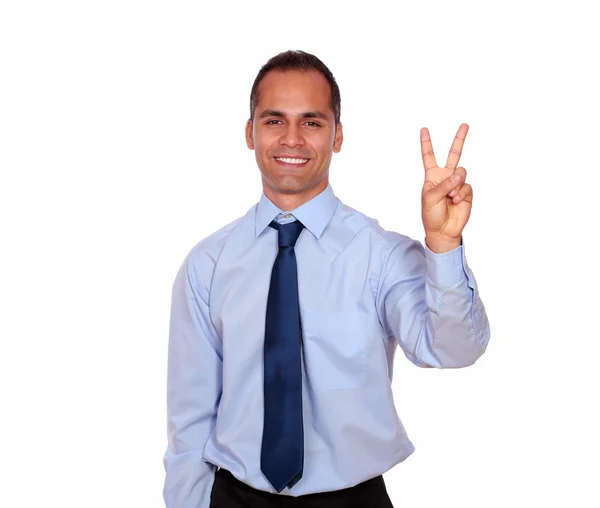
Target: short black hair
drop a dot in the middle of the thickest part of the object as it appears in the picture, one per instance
(297, 60)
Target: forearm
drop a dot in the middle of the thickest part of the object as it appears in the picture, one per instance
(188, 479)
(457, 325)
(431, 304)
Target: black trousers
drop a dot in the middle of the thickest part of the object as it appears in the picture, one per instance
(229, 492)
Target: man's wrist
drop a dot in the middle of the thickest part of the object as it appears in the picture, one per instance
(440, 245)
(445, 269)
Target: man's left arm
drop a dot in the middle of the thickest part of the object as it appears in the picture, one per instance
(428, 296)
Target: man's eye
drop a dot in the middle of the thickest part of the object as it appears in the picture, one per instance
(313, 124)
(271, 121)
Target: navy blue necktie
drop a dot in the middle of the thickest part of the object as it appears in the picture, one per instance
(282, 454)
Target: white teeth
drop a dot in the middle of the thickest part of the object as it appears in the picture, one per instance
(291, 161)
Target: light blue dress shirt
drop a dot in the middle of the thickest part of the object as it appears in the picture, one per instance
(363, 291)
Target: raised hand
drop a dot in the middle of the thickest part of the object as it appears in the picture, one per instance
(446, 199)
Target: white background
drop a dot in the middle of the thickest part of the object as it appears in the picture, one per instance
(122, 145)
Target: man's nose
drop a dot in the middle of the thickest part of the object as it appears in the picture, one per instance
(291, 136)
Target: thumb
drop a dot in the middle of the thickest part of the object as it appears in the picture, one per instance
(433, 194)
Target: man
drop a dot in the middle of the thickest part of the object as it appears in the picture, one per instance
(284, 323)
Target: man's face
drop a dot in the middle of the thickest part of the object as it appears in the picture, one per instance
(293, 120)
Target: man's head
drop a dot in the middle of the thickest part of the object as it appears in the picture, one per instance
(294, 126)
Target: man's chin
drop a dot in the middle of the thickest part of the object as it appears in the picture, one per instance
(290, 185)
(282, 189)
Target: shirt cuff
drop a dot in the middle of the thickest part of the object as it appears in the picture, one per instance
(446, 270)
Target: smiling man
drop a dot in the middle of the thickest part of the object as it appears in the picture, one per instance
(284, 323)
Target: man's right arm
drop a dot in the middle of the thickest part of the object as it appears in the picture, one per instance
(194, 384)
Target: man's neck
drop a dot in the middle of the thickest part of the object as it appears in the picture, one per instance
(287, 202)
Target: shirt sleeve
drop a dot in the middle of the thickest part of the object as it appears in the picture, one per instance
(430, 303)
(194, 384)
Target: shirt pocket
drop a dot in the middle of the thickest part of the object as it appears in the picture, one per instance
(335, 348)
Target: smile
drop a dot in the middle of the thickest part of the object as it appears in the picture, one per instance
(288, 160)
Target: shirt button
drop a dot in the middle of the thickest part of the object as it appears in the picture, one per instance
(287, 216)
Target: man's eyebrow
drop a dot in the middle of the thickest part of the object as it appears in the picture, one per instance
(270, 112)
(315, 114)
(307, 114)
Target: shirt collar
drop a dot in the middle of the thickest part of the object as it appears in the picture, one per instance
(314, 214)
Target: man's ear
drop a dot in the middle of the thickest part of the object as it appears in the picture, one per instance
(339, 138)
(249, 136)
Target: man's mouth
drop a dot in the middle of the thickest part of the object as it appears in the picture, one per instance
(291, 162)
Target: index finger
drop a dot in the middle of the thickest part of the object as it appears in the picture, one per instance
(457, 146)
(429, 161)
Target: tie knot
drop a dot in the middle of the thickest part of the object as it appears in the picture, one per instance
(288, 233)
